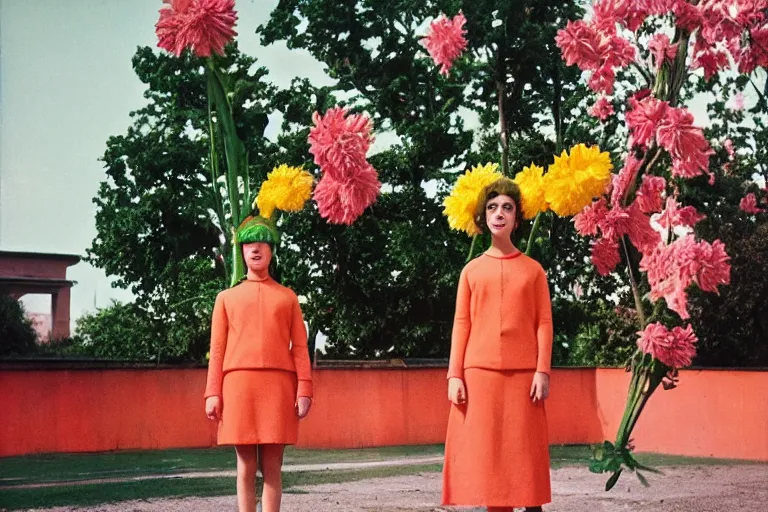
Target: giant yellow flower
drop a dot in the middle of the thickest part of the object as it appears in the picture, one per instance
(286, 188)
(576, 178)
(531, 183)
(461, 203)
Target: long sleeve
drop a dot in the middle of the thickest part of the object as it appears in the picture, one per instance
(544, 324)
(300, 352)
(219, 332)
(462, 324)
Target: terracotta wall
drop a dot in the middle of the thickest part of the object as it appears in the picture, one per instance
(712, 413)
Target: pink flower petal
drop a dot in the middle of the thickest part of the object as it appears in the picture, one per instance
(445, 41)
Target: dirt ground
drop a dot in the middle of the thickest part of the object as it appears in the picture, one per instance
(688, 488)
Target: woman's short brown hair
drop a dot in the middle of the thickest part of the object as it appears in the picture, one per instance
(500, 187)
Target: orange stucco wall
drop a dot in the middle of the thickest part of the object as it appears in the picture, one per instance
(712, 413)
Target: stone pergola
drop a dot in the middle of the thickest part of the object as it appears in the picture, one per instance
(22, 273)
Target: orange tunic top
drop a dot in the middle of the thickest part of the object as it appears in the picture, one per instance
(255, 325)
(503, 316)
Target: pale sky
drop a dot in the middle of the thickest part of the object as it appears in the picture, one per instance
(66, 85)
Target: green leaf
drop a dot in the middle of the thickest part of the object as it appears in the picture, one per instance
(612, 481)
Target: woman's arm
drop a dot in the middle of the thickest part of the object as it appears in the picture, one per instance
(219, 331)
(300, 352)
(462, 324)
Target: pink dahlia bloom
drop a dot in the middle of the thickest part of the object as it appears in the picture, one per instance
(340, 142)
(675, 215)
(644, 118)
(748, 204)
(687, 16)
(661, 49)
(672, 268)
(445, 41)
(586, 222)
(675, 348)
(623, 180)
(711, 60)
(343, 201)
(205, 26)
(649, 197)
(602, 109)
(605, 255)
(641, 233)
(686, 143)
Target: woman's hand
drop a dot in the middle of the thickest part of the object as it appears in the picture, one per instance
(540, 387)
(457, 392)
(213, 408)
(303, 405)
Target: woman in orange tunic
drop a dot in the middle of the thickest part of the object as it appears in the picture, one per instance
(259, 382)
(496, 450)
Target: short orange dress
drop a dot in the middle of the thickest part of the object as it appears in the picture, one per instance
(497, 446)
(259, 363)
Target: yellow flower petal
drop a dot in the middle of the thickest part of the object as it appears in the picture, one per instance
(576, 178)
(286, 188)
(531, 183)
(460, 205)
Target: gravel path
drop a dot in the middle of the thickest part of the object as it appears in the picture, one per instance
(685, 488)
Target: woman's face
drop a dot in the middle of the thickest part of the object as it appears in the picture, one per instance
(501, 216)
(257, 256)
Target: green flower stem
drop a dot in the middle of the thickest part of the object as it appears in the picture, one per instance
(472, 248)
(532, 236)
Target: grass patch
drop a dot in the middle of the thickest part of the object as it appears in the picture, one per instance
(95, 494)
(62, 467)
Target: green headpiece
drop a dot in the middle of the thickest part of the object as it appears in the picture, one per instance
(258, 229)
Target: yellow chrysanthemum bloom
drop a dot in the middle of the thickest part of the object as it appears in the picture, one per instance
(531, 183)
(461, 203)
(286, 188)
(576, 178)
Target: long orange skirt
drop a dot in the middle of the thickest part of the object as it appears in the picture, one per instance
(497, 449)
(259, 407)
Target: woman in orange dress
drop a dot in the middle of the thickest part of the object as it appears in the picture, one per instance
(259, 382)
(496, 449)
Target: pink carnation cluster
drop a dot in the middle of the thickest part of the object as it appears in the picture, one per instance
(651, 119)
(675, 348)
(339, 143)
(748, 204)
(596, 46)
(673, 268)
(738, 27)
(205, 26)
(445, 41)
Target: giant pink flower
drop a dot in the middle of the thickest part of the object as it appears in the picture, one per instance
(602, 109)
(675, 348)
(343, 201)
(641, 233)
(748, 204)
(623, 180)
(672, 268)
(687, 16)
(661, 49)
(675, 215)
(686, 144)
(649, 197)
(605, 255)
(205, 26)
(595, 47)
(445, 41)
(711, 60)
(586, 222)
(339, 142)
(644, 117)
